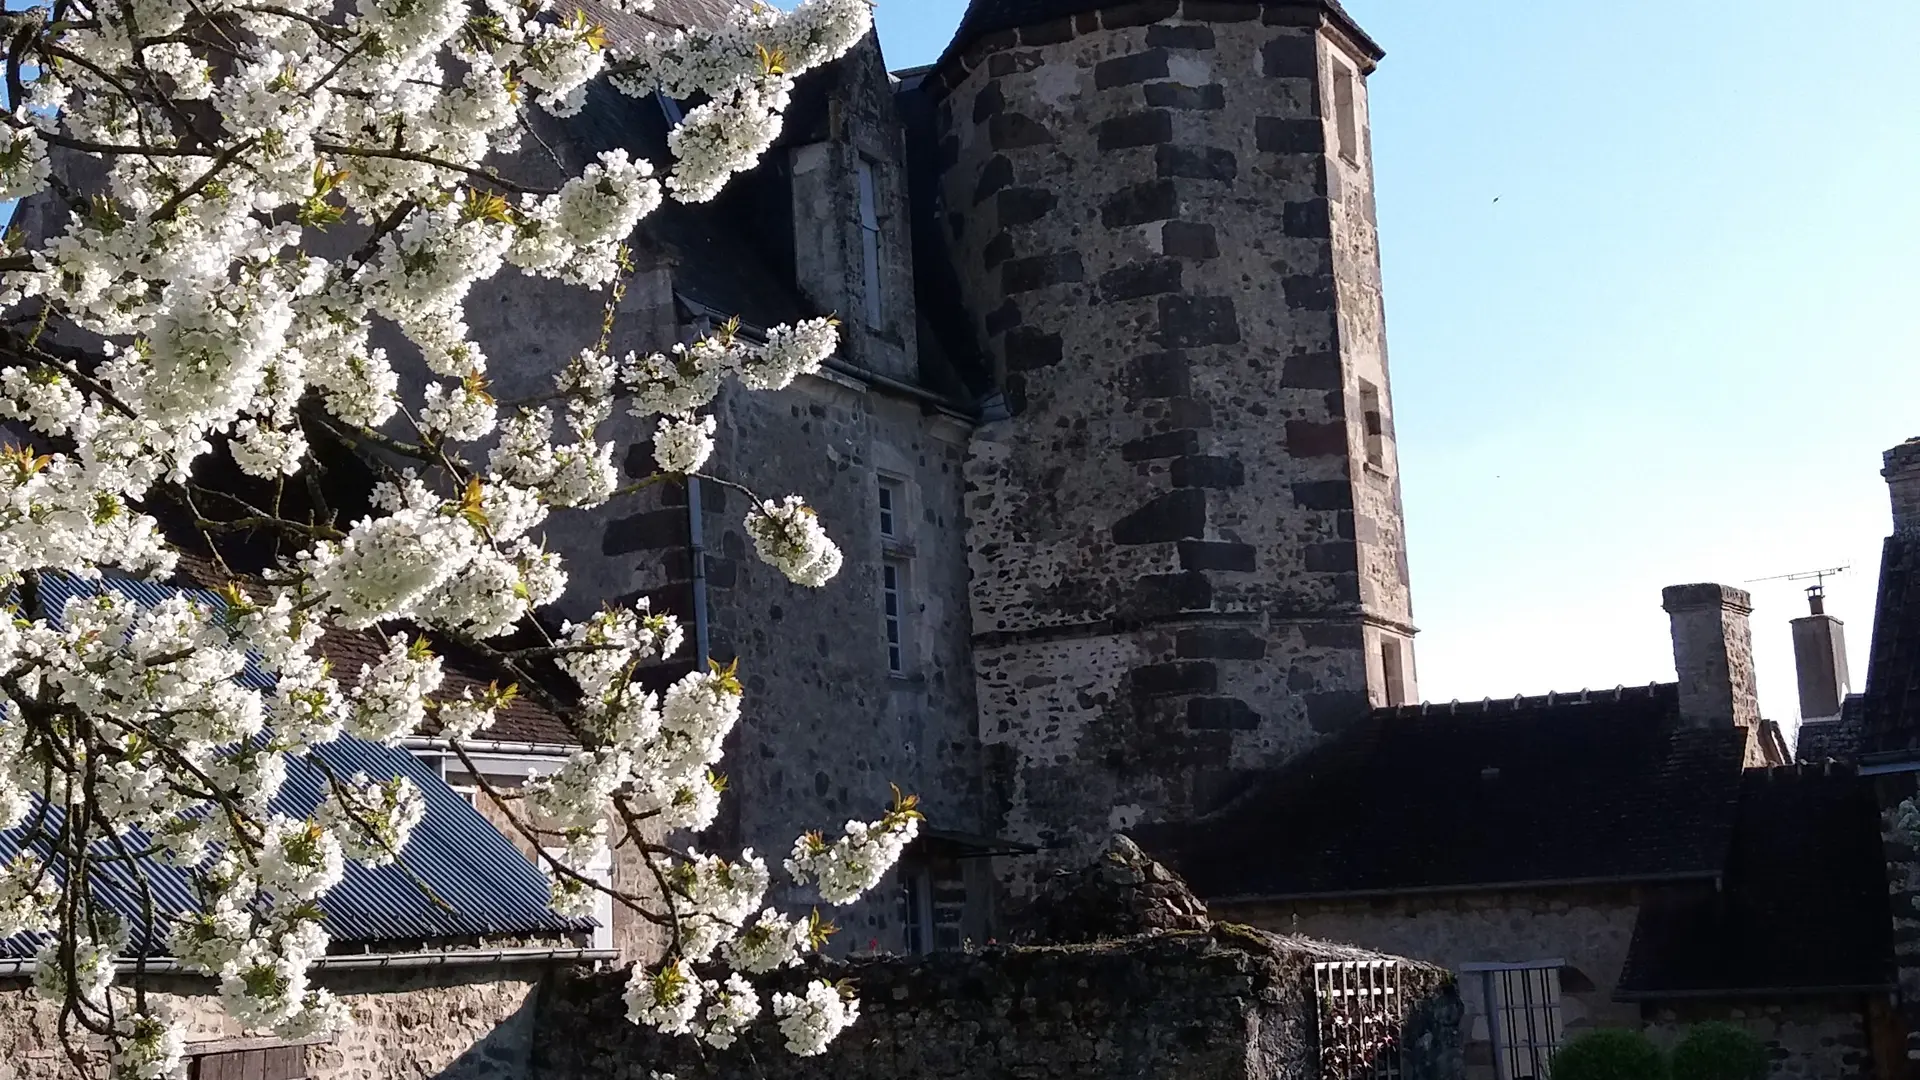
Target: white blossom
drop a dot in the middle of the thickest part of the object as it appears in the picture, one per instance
(667, 998)
(811, 1021)
(731, 1007)
(683, 444)
(155, 1048)
(787, 536)
(228, 329)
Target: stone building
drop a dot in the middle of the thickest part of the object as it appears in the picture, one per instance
(1088, 266)
(1109, 444)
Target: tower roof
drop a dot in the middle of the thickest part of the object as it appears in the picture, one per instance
(985, 17)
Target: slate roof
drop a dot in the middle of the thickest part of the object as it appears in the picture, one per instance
(991, 16)
(1803, 906)
(1834, 739)
(1892, 721)
(1590, 787)
(485, 888)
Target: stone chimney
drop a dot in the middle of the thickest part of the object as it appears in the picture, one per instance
(1713, 655)
(1903, 483)
(1820, 656)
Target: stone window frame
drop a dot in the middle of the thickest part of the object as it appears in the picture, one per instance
(1393, 670)
(1373, 421)
(1496, 982)
(1343, 98)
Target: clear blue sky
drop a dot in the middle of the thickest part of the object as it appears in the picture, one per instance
(1673, 350)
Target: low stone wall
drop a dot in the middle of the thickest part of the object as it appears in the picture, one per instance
(462, 1023)
(1224, 1003)
(1809, 1039)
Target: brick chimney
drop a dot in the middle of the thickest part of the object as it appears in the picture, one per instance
(1820, 657)
(1713, 655)
(1903, 483)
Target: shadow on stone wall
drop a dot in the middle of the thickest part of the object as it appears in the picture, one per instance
(1120, 973)
(503, 1053)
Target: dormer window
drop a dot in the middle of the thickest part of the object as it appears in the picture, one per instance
(869, 195)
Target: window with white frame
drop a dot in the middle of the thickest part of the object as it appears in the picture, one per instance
(1523, 1016)
(895, 567)
(893, 599)
(890, 507)
(870, 243)
(600, 872)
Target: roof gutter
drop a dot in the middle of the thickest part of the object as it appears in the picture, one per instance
(1889, 761)
(476, 746)
(1752, 992)
(1491, 886)
(358, 961)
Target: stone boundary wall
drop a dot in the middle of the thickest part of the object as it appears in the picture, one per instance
(1228, 1003)
(455, 1023)
(1820, 1039)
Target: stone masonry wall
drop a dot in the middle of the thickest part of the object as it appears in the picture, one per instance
(1186, 544)
(1223, 1004)
(828, 727)
(471, 1023)
(1820, 1039)
(1903, 898)
(1588, 930)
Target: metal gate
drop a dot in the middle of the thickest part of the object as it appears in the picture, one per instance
(1360, 1013)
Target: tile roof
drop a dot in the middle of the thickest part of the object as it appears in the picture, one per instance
(1892, 721)
(985, 17)
(1600, 786)
(1803, 905)
(484, 886)
(522, 721)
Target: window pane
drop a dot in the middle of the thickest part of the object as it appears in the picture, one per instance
(870, 255)
(869, 210)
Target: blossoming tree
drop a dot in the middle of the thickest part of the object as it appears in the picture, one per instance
(194, 307)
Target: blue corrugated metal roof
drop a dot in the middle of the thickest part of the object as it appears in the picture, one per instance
(485, 886)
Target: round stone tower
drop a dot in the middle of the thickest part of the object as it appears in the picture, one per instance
(1186, 541)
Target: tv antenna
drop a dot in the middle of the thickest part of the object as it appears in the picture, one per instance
(1816, 592)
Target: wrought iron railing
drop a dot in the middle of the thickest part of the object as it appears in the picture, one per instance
(1360, 1016)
